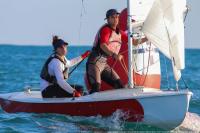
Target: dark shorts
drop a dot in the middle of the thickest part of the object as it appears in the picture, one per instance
(55, 91)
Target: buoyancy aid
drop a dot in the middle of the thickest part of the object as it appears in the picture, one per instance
(114, 43)
(45, 74)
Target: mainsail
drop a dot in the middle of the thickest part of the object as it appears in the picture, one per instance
(164, 27)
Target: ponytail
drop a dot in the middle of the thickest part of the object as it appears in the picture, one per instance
(55, 39)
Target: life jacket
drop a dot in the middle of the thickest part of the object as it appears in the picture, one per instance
(114, 43)
(45, 74)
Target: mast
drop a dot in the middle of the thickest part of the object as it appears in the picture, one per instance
(130, 45)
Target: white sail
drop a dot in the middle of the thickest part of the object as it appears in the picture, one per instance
(140, 9)
(139, 12)
(164, 27)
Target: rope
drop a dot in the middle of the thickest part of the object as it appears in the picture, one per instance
(114, 64)
(134, 60)
(147, 66)
(122, 62)
(143, 65)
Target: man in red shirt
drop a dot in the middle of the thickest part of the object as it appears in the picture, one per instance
(107, 44)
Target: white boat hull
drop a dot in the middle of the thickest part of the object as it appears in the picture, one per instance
(166, 111)
(163, 109)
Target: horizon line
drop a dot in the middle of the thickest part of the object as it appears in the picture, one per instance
(76, 45)
(11, 44)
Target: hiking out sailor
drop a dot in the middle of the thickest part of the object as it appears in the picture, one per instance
(107, 44)
(55, 72)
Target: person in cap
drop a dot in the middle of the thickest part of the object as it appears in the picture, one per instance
(107, 44)
(55, 72)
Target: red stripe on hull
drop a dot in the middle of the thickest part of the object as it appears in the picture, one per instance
(131, 108)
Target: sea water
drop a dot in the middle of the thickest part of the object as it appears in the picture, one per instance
(20, 67)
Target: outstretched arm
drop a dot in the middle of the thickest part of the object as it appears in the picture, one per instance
(139, 41)
(76, 60)
(135, 41)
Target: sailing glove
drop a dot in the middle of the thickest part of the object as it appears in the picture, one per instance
(76, 94)
(84, 55)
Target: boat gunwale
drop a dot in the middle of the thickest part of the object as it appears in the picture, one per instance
(96, 97)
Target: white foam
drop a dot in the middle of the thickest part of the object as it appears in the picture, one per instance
(190, 124)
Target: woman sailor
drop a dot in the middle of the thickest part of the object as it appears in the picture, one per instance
(55, 72)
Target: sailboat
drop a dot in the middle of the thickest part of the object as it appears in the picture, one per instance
(161, 108)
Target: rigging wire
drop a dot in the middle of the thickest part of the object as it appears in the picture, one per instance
(186, 13)
(185, 17)
(83, 10)
(186, 86)
(167, 76)
(79, 34)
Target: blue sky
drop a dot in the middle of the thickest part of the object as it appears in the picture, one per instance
(33, 22)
